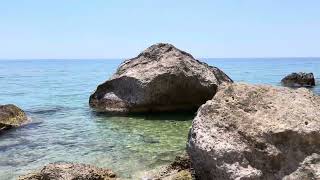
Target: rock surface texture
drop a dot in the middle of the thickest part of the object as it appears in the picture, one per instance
(11, 116)
(257, 132)
(299, 80)
(161, 78)
(70, 171)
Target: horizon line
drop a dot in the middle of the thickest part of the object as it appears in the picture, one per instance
(271, 57)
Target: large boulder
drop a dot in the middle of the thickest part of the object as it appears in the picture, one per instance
(299, 80)
(161, 78)
(70, 171)
(11, 116)
(256, 132)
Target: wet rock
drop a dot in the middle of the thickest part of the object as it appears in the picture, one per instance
(256, 132)
(299, 80)
(11, 116)
(70, 171)
(161, 78)
(179, 169)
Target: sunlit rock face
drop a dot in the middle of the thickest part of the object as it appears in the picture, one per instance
(257, 132)
(161, 78)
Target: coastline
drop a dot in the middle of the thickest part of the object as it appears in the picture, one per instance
(22, 87)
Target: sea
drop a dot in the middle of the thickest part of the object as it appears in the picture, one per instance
(55, 92)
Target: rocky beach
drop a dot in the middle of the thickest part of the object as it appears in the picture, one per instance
(238, 131)
(159, 90)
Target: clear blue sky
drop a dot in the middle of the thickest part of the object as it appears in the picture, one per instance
(122, 28)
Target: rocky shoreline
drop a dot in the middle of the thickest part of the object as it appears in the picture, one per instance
(240, 131)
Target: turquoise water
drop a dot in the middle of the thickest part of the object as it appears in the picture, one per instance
(55, 94)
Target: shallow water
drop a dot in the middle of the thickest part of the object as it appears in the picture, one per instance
(55, 94)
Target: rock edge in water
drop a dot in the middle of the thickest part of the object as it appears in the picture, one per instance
(257, 132)
(11, 116)
(70, 171)
(161, 78)
(179, 169)
(299, 80)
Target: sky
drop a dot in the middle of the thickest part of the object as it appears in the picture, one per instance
(80, 29)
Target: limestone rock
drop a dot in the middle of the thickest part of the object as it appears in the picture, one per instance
(256, 132)
(161, 78)
(309, 169)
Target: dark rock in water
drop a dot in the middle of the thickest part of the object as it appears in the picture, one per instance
(11, 116)
(70, 171)
(179, 169)
(256, 132)
(299, 80)
(161, 78)
(148, 140)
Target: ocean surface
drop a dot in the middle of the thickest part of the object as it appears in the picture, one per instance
(55, 93)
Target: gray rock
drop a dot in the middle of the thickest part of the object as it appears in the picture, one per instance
(70, 171)
(309, 169)
(299, 80)
(161, 78)
(11, 116)
(255, 132)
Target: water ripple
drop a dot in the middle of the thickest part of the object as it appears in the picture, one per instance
(48, 110)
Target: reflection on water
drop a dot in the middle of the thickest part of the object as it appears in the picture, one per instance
(63, 128)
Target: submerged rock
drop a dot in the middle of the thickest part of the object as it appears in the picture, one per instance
(256, 132)
(11, 116)
(70, 171)
(299, 80)
(161, 78)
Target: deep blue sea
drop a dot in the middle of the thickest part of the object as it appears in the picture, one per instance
(55, 93)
